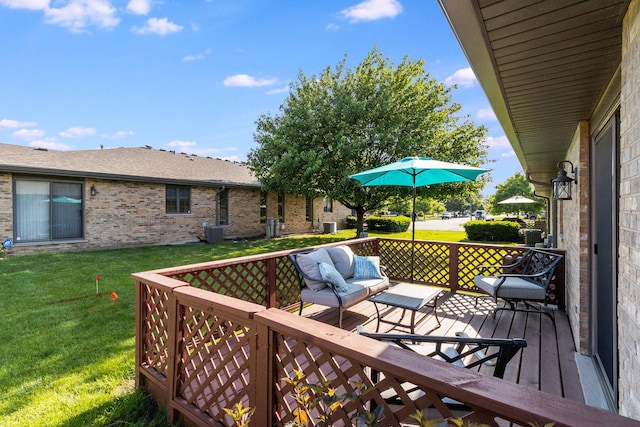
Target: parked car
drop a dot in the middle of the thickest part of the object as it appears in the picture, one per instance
(531, 216)
(447, 215)
(515, 219)
(479, 214)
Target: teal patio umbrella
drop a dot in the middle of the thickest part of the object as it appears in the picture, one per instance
(417, 172)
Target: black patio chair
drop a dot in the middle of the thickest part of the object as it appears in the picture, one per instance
(525, 280)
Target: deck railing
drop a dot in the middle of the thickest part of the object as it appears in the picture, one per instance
(199, 351)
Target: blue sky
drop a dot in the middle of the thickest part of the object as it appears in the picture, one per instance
(194, 75)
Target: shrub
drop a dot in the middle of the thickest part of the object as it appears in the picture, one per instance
(392, 224)
(500, 231)
(351, 221)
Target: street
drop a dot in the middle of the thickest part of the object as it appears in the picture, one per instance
(453, 224)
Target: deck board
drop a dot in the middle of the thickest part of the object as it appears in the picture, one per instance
(547, 363)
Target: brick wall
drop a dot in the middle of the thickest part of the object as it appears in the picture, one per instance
(6, 207)
(629, 234)
(573, 235)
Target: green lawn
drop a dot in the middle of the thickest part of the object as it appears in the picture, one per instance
(67, 354)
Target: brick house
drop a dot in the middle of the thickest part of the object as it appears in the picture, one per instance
(111, 198)
(562, 77)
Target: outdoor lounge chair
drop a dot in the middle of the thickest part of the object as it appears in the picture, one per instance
(456, 350)
(490, 351)
(525, 280)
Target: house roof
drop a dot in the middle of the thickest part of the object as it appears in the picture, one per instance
(544, 66)
(131, 164)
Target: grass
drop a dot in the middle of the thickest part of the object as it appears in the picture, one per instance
(67, 353)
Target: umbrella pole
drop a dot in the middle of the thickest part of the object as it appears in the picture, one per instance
(413, 230)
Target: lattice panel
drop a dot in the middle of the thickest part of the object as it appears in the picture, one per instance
(245, 281)
(213, 364)
(318, 365)
(395, 255)
(431, 263)
(155, 352)
(343, 373)
(287, 283)
(471, 257)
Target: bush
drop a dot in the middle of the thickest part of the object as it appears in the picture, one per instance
(392, 224)
(351, 221)
(486, 231)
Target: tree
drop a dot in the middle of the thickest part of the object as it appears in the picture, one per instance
(346, 121)
(516, 185)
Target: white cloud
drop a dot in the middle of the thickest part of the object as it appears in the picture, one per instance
(181, 144)
(50, 144)
(159, 27)
(28, 134)
(278, 91)
(198, 57)
(245, 80)
(371, 10)
(139, 7)
(77, 15)
(498, 143)
(332, 27)
(26, 4)
(8, 123)
(463, 77)
(77, 132)
(118, 135)
(487, 114)
(508, 154)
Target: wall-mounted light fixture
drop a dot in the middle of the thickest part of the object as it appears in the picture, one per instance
(93, 190)
(562, 182)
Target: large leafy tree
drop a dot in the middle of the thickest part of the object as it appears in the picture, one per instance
(345, 121)
(515, 185)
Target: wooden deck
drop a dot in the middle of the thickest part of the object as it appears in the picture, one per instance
(547, 363)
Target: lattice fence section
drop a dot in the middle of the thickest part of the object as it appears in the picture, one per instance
(395, 255)
(319, 367)
(287, 283)
(472, 256)
(326, 370)
(246, 280)
(155, 353)
(213, 363)
(431, 263)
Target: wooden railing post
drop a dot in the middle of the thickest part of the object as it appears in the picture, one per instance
(272, 278)
(174, 343)
(454, 250)
(264, 377)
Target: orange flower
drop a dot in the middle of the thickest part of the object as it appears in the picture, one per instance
(114, 295)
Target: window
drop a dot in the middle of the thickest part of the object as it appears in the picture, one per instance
(263, 207)
(328, 205)
(178, 199)
(281, 207)
(223, 207)
(48, 210)
(309, 210)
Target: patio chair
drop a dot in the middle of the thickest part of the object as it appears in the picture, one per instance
(496, 352)
(525, 280)
(456, 350)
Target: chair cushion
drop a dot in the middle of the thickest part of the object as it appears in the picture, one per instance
(355, 293)
(512, 288)
(373, 286)
(366, 267)
(309, 265)
(330, 274)
(342, 257)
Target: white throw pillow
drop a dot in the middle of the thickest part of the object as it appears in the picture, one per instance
(330, 274)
